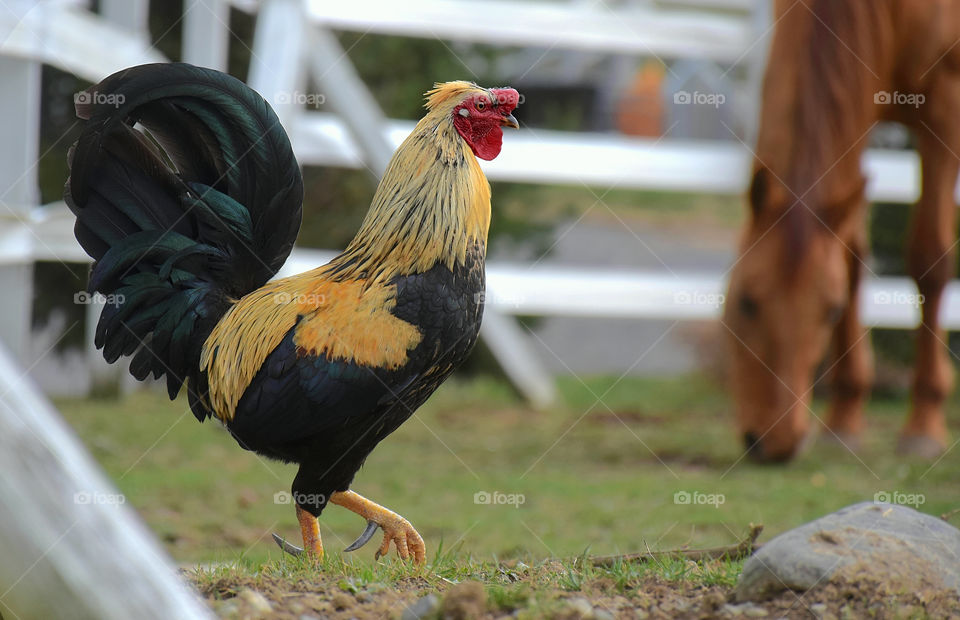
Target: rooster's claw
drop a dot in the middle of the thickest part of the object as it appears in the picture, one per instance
(364, 538)
(283, 544)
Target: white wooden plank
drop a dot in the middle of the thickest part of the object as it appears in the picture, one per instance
(546, 156)
(73, 40)
(510, 345)
(721, 5)
(585, 26)
(277, 67)
(19, 191)
(206, 34)
(548, 291)
(348, 96)
(71, 547)
(131, 16)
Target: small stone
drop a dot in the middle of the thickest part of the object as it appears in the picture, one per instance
(364, 596)
(753, 611)
(602, 614)
(818, 609)
(229, 609)
(257, 602)
(732, 610)
(425, 607)
(581, 607)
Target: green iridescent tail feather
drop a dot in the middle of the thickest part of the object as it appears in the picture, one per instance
(196, 206)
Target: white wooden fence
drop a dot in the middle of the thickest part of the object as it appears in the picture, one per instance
(293, 42)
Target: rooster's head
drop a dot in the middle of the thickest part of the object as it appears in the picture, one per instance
(478, 113)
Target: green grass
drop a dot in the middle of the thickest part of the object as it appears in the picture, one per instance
(597, 473)
(526, 589)
(507, 580)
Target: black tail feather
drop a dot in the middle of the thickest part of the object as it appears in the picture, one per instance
(187, 196)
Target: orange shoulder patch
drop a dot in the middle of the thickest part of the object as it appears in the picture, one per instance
(342, 320)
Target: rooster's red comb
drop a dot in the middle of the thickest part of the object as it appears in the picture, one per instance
(507, 97)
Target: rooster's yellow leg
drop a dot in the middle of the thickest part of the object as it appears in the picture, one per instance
(395, 528)
(310, 529)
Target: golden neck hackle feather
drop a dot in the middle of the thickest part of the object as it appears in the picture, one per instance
(431, 206)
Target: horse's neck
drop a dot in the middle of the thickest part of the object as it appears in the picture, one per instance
(824, 74)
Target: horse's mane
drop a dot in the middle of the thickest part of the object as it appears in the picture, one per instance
(836, 61)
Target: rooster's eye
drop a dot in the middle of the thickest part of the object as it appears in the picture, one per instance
(481, 105)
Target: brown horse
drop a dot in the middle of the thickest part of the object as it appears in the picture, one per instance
(836, 68)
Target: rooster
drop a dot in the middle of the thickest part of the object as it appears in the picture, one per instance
(188, 198)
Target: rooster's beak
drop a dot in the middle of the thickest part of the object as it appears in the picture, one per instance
(510, 121)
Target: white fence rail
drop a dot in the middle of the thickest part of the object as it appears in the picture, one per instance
(521, 290)
(559, 157)
(594, 27)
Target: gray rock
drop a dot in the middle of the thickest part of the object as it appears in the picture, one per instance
(258, 602)
(895, 547)
(581, 607)
(426, 606)
(602, 614)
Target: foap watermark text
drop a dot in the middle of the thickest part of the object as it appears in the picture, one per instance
(897, 497)
(698, 498)
(496, 498)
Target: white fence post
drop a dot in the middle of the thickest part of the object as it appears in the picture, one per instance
(277, 62)
(349, 97)
(70, 547)
(19, 151)
(131, 15)
(206, 34)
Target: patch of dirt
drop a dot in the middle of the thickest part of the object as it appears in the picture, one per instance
(464, 601)
(295, 599)
(863, 599)
(654, 598)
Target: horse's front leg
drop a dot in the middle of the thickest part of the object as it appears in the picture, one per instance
(851, 373)
(931, 260)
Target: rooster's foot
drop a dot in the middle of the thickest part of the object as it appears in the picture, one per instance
(407, 540)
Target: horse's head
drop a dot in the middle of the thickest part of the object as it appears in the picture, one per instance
(788, 288)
